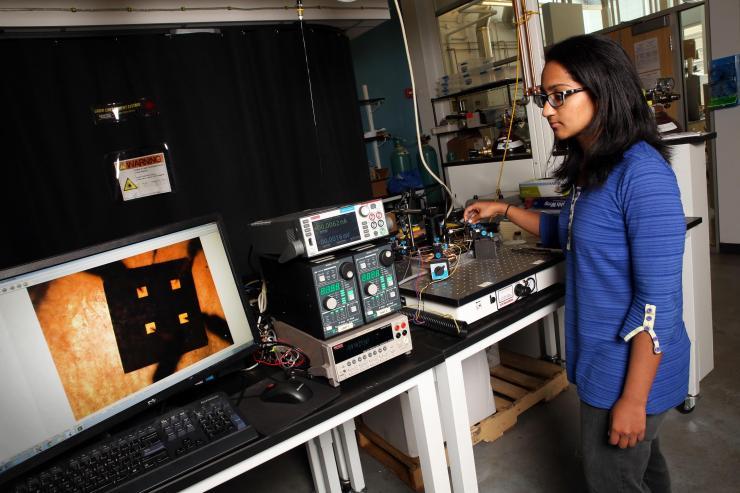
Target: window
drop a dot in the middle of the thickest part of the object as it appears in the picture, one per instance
(480, 32)
(695, 66)
(480, 50)
(563, 19)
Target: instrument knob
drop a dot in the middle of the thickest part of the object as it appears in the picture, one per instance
(522, 290)
(347, 270)
(364, 211)
(330, 303)
(386, 258)
(371, 289)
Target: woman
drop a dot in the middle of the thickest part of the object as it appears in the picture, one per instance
(622, 230)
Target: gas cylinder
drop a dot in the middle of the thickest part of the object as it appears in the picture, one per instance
(400, 159)
(434, 196)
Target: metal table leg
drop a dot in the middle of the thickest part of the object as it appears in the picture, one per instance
(551, 335)
(428, 431)
(339, 455)
(561, 331)
(454, 413)
(352, 455)
(323, 463)
(314, 460)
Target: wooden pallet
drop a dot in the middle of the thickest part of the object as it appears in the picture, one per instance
(518, 383)
(408, 469)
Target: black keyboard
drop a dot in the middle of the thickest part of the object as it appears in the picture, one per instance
(146, 455)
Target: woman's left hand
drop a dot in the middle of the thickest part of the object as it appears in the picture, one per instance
(628, 419)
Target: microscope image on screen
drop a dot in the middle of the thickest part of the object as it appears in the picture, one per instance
(155, 313)
(117, 328)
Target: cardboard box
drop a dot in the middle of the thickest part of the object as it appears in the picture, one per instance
(460, 145)
(543, 187)
(379, 188)
(379, 173)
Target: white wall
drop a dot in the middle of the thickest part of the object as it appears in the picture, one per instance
(724, 25)
(426, 57)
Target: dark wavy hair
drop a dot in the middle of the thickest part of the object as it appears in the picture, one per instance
(622, 116)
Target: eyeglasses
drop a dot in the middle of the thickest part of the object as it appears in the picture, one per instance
(556, 99)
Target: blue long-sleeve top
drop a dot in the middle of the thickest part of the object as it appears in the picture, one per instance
(623, 276)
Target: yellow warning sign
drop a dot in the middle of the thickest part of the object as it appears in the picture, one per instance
(142, 176)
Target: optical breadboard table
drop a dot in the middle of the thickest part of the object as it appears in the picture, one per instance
(477, 288)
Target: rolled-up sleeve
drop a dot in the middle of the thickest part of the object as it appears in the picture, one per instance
(549, 230)
(656, 231)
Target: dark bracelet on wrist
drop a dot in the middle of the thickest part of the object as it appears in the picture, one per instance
(506, 212)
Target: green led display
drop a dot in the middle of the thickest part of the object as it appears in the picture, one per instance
(370, 275)
(329, 288)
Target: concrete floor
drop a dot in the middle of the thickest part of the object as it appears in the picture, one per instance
(540, 453)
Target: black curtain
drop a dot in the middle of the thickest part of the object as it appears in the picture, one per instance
(234, 108)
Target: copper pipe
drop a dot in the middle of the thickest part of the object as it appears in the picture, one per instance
(520, 37)
(520, 14)
(531, 87)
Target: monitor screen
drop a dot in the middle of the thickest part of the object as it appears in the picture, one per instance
(86, 337)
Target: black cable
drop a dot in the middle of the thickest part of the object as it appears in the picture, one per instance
(249, 260)
(265, 347)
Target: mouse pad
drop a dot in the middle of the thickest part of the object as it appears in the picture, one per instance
(270, 417)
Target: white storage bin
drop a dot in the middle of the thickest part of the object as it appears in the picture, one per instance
(387, 419)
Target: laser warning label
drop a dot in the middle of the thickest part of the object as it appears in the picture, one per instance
(143, 176)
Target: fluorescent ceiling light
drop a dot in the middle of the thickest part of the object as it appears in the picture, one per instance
(497, 3)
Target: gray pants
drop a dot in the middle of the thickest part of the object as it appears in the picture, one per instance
(610, 469)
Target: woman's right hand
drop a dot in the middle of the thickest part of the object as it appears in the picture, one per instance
(482, 208)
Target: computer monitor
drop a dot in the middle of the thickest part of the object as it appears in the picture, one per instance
(89, 338)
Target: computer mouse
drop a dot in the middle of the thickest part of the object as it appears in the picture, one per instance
(290, 392)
